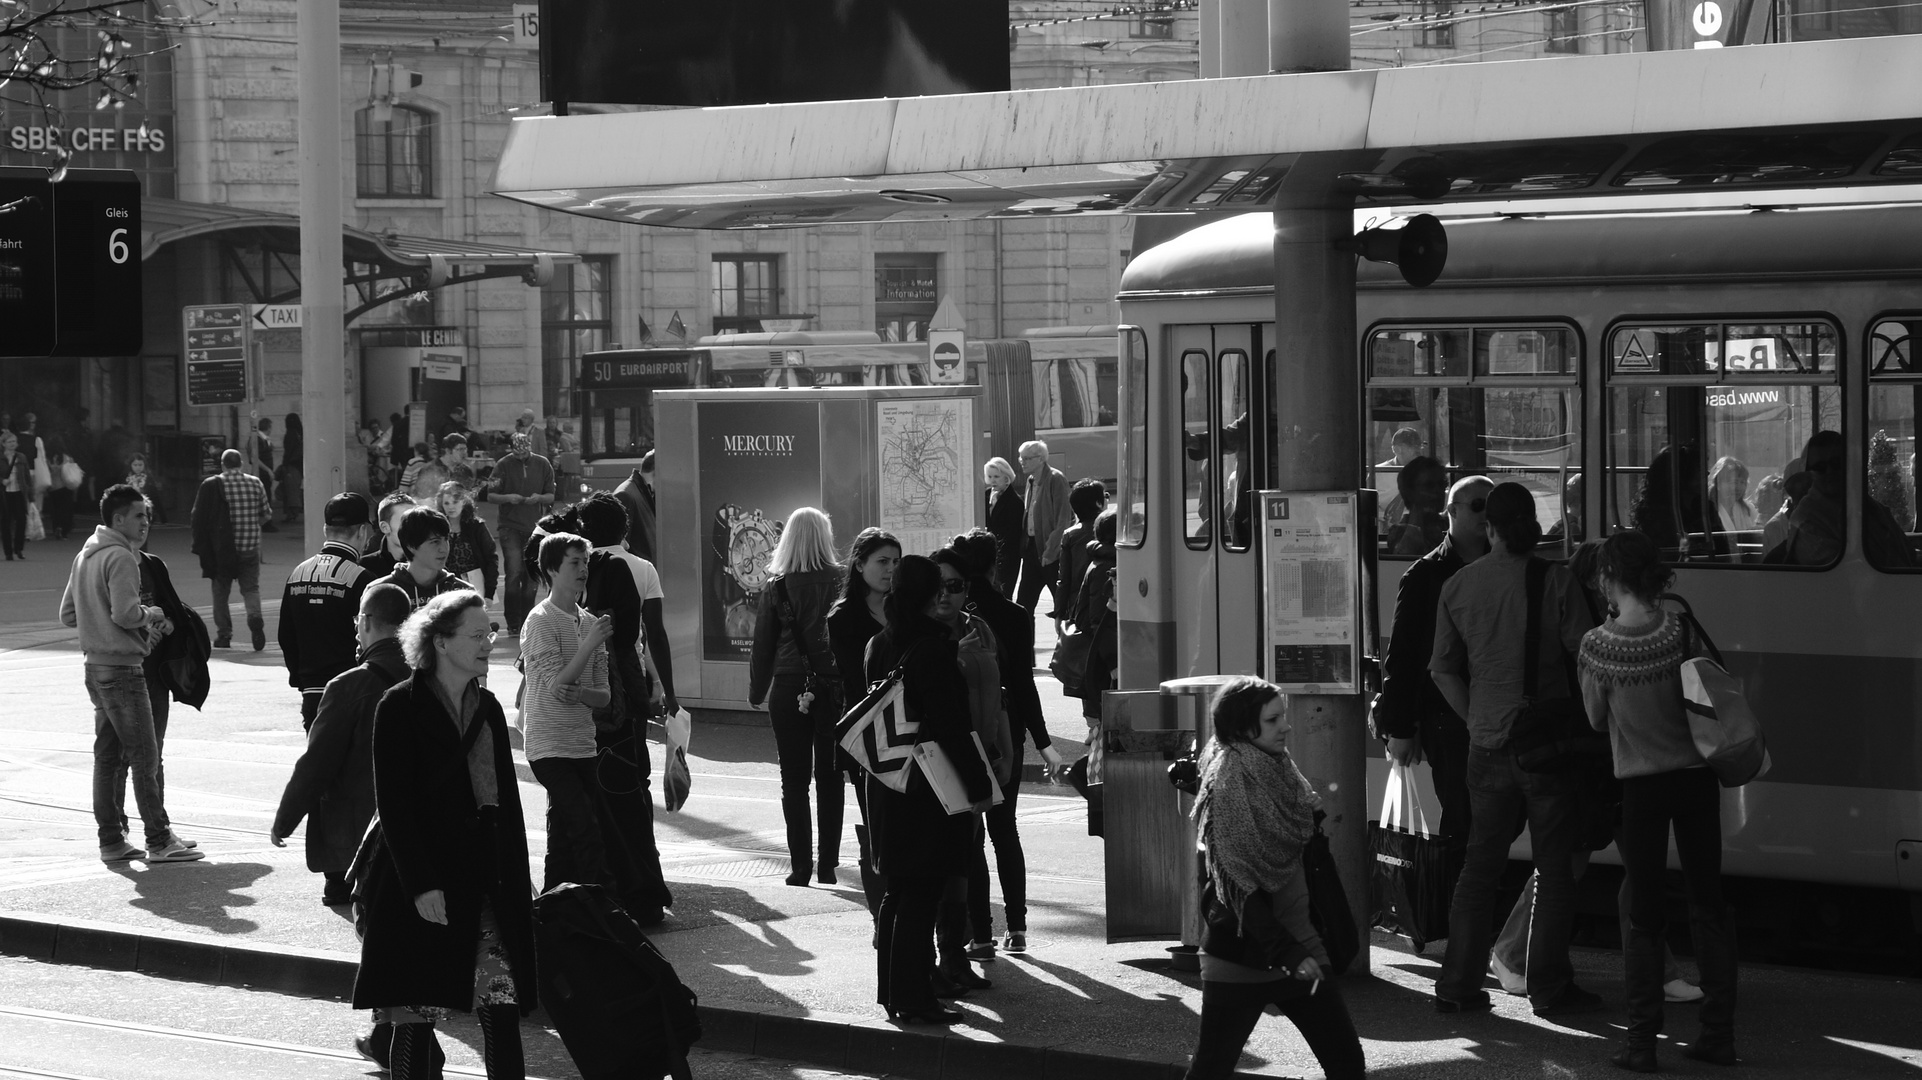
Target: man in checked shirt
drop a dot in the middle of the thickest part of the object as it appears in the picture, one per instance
(227, 515)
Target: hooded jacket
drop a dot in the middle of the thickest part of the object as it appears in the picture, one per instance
(103, 601)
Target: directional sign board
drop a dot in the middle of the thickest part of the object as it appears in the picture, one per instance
(96, 227)
(27, 325)
(217, 340)
(276, 316)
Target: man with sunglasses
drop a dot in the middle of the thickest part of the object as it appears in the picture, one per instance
(1410, 711)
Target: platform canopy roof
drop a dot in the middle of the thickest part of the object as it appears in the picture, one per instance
(1803, 115)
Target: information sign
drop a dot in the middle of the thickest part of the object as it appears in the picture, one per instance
(217, 341)
(1312, 590)
(27, 309)
(276, 316)
(96, 225)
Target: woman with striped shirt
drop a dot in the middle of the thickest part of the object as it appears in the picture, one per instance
(565, 677)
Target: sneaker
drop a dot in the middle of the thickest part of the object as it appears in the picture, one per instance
(223, 642)
(1016, 941)
(1479, 1001)
(176, 852)
(1511, 982)
(121, 852)
(1681, 992)
(176, 838)
(1572, 1001)
(980, 950)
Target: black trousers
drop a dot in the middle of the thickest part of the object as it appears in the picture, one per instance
(1229, 1012)
(13, 522)
(1444, 743)
(1010, 864)
(904, 954)
(804, 742)
(627, 821)
(1035, 574)
(1690, 801)
(576, 851)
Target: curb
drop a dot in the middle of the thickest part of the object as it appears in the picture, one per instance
(858, 1044)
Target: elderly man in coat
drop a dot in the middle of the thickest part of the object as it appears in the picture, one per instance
(333, 782)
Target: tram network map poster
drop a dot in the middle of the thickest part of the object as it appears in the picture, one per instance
(926, 472)
(1312, 590)
(759, 462)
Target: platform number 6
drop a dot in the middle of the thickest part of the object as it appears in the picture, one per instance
(117, 247)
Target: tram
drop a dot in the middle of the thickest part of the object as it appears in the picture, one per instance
(1612, 362)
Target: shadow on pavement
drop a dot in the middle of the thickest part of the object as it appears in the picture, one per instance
(197, 894)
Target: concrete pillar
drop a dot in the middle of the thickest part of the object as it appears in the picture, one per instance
(323, 370)
(1244, 37)
(1209, 25)
(1317, 398)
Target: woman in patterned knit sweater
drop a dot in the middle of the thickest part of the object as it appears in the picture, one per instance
(1631, 684)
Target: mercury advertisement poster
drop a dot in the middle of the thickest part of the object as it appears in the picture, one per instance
(759, 462)
(926, 470)
(1313, 593)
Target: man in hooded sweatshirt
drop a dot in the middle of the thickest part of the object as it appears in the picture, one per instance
(119, 625)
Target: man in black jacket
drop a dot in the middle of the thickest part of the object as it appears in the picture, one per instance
(1411, 712)
(321, 602)
(333, 782)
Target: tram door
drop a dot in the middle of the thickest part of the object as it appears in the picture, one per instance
(1215, 567)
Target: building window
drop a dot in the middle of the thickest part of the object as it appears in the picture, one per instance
(746, 287)
(1436, 30)
(576, 318)
(906, 292)
(1564, 27)
(1154, 24)
(394, 156)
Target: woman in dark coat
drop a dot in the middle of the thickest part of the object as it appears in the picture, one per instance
(449, 900)
(853, 621)
(918, 846)
(1006, 520)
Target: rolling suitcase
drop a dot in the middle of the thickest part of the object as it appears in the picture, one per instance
(615, 1000)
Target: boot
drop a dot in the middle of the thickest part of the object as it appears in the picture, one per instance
(1714, 943)
(872, 886)
(257, 626)
(501, 1042)
(1642, 974)
(415, 1054)
(1636, 1056)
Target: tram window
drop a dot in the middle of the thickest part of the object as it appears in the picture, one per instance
(1132, 529)
(1232, 462)
(1889, 537)
(1712, 461)
(1431, 422)
(1195, 511)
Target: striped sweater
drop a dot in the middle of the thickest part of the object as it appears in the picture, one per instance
(1632, 688)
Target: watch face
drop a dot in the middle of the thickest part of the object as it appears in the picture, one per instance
(750, 541)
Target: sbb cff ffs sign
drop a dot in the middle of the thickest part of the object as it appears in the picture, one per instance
(69, 263)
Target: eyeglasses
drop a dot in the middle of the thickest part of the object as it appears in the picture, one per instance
(953, 586)
(1475, 506)
(485, 637)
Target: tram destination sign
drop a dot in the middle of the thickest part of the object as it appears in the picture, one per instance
(70, 280)
(217, 343)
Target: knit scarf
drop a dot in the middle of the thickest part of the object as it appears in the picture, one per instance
(1254, 814)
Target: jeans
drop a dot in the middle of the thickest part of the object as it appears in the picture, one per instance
(575, 850)
(1499, 791)
(126, 745)
(904, 936)
(248, 575)
(1511, 946)
(1690, 799)
(1010, 864)
(309, 708)
(1228, 1015)
(1035, 574)
(804, 742)
(517, 587)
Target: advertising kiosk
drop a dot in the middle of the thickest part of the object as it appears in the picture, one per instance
(731, 465)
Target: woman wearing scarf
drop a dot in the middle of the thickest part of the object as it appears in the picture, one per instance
(449, 901)
(917, 845)
(1253, 814)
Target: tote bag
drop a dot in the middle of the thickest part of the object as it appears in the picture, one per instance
(1408, 882)
(877, 733)
(938, 768)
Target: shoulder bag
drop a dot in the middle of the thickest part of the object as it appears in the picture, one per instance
(877, 733)
(1551, 735)
(1721, 722)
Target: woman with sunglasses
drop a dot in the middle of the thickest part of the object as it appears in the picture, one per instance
(449, 923)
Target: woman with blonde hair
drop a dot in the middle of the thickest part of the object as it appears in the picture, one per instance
(792, 670)
(471, 557)
(1728, 488)
(1006, 518)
